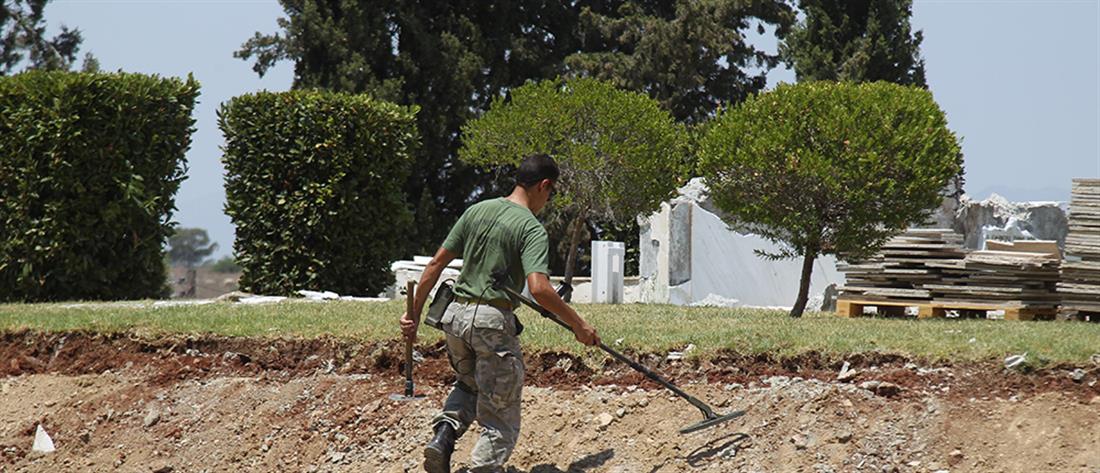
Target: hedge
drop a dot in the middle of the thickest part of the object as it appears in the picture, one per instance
(314, 185)
(89, 167)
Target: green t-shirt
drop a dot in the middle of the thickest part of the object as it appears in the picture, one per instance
(497, 234)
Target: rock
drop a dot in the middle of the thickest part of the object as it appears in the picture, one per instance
(844, 436)
(1077, 375)
(801, 441)
(997, 217)
(164, 469)
(643, 402)
(151, 418)
(603, 420)
(778, 381)
(1016, 361)
(881, 388)
(42, 441)
(565, 364)
(620, 413)
(846, 374)
(337, 457)
(1095, 359)
(954, 457)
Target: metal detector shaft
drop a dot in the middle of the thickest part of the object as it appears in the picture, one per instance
(707, 412)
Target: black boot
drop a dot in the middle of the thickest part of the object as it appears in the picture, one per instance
(437, 455)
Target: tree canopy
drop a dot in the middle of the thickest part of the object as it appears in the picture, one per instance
(830, 168)
(190, 246)
(858, 40)
(23, 40)
(619, 152)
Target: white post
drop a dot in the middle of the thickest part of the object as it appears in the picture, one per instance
(607, 271)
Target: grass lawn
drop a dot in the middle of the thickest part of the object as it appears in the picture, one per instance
(654, 328)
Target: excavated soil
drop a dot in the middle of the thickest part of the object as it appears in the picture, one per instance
(128, 403)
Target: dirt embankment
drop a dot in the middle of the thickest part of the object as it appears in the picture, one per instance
(124, 403)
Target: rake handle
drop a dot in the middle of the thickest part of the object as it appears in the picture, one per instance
(706, 410)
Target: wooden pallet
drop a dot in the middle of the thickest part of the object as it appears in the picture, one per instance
(931, 309)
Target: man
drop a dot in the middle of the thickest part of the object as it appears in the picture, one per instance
(496, 235)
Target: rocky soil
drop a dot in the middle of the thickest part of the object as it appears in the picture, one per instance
(126, 403)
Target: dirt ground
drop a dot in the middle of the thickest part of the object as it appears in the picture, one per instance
(125, 403)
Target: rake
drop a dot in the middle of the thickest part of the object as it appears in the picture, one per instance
(710, 419)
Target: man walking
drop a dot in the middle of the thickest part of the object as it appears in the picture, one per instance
(493, 236)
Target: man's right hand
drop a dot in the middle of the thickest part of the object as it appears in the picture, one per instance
(409, 326)
(586, 334)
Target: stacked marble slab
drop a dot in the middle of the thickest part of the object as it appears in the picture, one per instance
(1079, 287)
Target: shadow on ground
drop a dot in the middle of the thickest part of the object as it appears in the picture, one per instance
(588, 462)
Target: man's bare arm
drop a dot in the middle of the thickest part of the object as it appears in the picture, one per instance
(428, 278)
(544, 294)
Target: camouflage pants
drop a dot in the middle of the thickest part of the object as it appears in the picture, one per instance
(484, 352)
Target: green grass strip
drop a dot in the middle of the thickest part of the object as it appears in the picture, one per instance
(650, 328)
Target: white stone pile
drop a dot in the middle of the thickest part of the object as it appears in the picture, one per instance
(1079, 287)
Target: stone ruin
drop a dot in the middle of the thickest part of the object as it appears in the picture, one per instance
(690, 256)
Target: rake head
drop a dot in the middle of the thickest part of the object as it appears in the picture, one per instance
(711, 421)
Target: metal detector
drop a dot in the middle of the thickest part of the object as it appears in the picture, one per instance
(710, 419)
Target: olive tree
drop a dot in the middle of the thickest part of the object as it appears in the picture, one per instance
(829, 168)
(619, 153)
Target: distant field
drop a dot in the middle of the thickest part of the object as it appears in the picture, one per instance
(652, 328)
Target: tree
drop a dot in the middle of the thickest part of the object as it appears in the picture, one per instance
(190, 246)
(453, 58)
(23, 37)
(225, 264)
(691, 56)
(450, 58)
(620, 154)
(860, 41)
(830, 168)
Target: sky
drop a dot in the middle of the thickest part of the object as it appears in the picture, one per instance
(1019, 81)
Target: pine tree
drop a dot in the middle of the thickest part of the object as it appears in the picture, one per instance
(858, 40)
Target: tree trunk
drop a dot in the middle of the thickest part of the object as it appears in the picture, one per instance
(804, 284)
(571, 259)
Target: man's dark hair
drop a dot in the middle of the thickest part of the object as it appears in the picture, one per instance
(534, 169)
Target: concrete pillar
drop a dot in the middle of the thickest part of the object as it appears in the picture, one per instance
(607, 271)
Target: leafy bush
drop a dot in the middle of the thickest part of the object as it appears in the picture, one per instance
(89, 167)
(828, 168)
(314, 185)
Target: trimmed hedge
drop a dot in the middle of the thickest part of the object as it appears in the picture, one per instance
(314, 185)
(89, 168)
